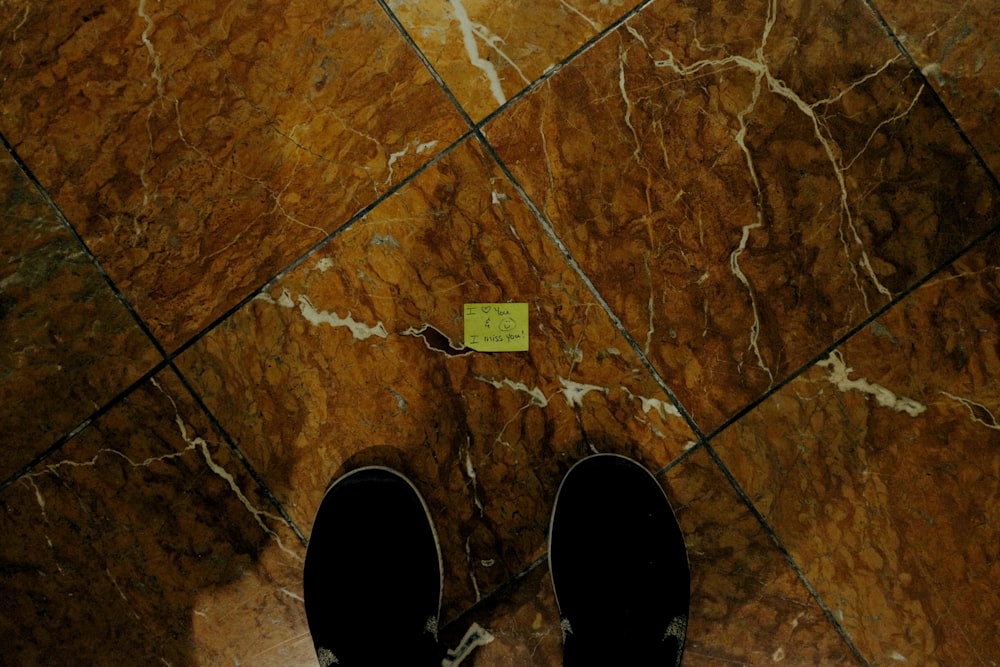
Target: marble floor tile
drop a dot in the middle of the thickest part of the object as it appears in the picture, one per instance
(487, 52)
(956, 45)
(144, 541)
(744, 188)
(748, 606)
(353, 358)
(199, 147)
(879, 469)
(299, 212)
(58, 320)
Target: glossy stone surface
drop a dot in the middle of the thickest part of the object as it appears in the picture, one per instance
(487, 52)
(351, 358)
(755, 244)
(740, 198)
(144, 541)
(955, 45)
(879, 469)
(67, 346)
(201, 148)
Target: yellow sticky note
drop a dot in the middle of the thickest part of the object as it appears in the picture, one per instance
(496, 327)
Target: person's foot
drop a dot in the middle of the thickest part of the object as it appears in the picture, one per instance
(372, 574)
(619, 566)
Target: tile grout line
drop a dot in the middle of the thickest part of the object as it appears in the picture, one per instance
(983, 238)
(425, 61)
(240, 456)
(769, 530)
(952, 119)
(354, 219)
(554, 69)
(64, 221)
(167, 360)
(62, 440)
(550, 233)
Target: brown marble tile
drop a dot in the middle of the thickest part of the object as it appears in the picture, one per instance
(486, 51)
(879, 469)
(145, 542)
(350, 360)
(748, 606)
(199, 148)
(66, 344)
(956, 45)
(744, 187)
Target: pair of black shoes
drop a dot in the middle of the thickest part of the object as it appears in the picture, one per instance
(373, 574)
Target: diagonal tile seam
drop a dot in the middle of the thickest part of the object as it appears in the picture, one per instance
(549, 230)
(64, 222)
(745, 498)
(985, 236)
(703, 439)
(513, 581)
(426, 62)
(61, 441)
(930, 88)
(552, 71)
(545, 76)
(240, 456)
(779, 545)
(169, 357)
(118, 296)
(305, 256)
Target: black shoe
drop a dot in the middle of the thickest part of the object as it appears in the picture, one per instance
(373, 574)
(619, 566)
